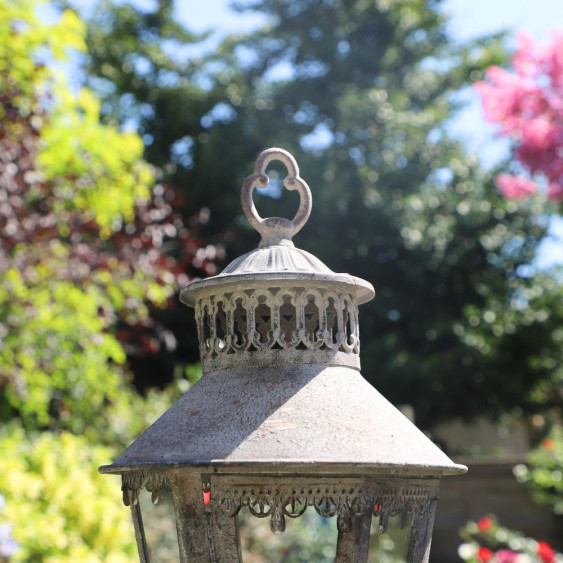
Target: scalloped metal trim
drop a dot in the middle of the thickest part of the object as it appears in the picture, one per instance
(281, 498)
(284, 322)
(345, 502)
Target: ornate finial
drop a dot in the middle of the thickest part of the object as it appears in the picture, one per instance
(274, 230)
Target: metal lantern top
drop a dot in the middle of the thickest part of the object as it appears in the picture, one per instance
(281, 390)
(278, 304)
(277, 258)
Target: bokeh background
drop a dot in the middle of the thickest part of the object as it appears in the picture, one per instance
(126, 131)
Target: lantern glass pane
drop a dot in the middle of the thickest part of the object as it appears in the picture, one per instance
(160, 525)
(307, 538)
(313, 538)
(392, 546)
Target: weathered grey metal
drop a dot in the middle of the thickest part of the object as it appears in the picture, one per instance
(293, 416)
(226, 537)
(276, 259)
(354, 544)
(140, 538)
(279, 322)
(282, 420)
(421, 534)
(343, 496)
(192, 521)
(276, 230)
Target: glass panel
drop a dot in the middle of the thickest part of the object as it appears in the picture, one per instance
(160, 526)
(392, 546)
(307, 538)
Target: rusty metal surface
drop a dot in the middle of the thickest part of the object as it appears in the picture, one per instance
(209, 532)
(421, 535)
(284, 324)
(192, 521)
(140, 538)
(307, 415)
(280, 497)
(354, 545)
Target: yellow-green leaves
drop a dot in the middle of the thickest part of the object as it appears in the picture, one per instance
(58, 354)
(62, 288)
(98, 168)
(80, 263)
(60, 508)
(27, 44)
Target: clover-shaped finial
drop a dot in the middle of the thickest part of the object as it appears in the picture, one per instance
(274, 230)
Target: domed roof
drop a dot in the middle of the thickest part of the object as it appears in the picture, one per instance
(282, 257)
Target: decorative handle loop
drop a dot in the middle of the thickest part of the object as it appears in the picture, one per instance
(276, 229)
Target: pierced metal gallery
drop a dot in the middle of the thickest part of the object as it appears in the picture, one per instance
(282, 419)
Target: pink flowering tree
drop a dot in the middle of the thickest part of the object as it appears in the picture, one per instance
(527, 103)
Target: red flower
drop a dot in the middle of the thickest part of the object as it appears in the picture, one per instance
(549, 444)
(546, 552)
(484, 554)
(484, 524)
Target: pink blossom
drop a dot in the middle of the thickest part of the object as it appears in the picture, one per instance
(555, 191)
(538, 132)
(553, 58)
(528, 56)
(527, 104)
(515, 187)
(506, 556)
(510, 100)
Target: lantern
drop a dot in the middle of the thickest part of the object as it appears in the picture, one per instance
(282, 421)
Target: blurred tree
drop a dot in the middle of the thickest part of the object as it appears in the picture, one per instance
(362, 93)
(83, 230)
(527, 104)
(82, 239)
(141, 78)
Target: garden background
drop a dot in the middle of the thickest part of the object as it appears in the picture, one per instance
(125, 135)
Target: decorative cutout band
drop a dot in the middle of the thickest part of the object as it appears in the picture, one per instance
(277, 503)
(233, 325)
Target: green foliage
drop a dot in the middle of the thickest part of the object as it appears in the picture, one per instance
(543, 472)
(81, 271)
(57, 350)
(82, 229)
(60, 361)
(93, 167)
(22, 37)
(61, 509)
